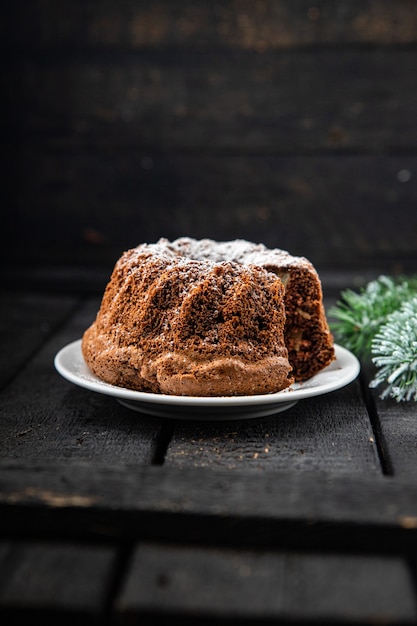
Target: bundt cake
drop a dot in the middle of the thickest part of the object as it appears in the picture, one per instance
(203, 318)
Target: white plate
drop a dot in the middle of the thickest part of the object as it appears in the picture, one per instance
(71, 365)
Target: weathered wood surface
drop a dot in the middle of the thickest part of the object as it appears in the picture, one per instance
(396, 427)
(32, 319)
(43, 581)
(274, 121)
(41, 417)
(282, 509)
(327, 434)
(219, 103)
(111, 517)
(200, 23)
(349, 212)
(256, 587)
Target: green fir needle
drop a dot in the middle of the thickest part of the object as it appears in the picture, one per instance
(360, 315)
(380, 322)
(395, 354)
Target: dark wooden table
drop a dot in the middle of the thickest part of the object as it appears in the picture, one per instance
(108, 516)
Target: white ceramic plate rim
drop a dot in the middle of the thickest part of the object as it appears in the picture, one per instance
(70, 363)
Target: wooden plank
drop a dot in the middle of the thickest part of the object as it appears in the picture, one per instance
(26, 320)
(240, 103)
(397, 423)
(44, 416)
(343, 213)
(200, 23)
(395, 426)
(69, 280)
(332, 433)
(52, 582)
(276, 509)
(196, 583)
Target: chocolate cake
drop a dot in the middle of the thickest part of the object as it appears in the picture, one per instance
(206, 318)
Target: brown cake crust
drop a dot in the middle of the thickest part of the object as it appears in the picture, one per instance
(172, 324)
(307, 336)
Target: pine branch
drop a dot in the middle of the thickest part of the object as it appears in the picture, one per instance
(380, 323)
(360, 315)
(395, 352)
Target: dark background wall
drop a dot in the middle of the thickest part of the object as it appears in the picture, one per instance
(290, 122)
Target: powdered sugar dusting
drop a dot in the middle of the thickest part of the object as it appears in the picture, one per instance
(238, 251)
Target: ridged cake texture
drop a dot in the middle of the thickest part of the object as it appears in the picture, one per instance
(176, 321)
(307, 335)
